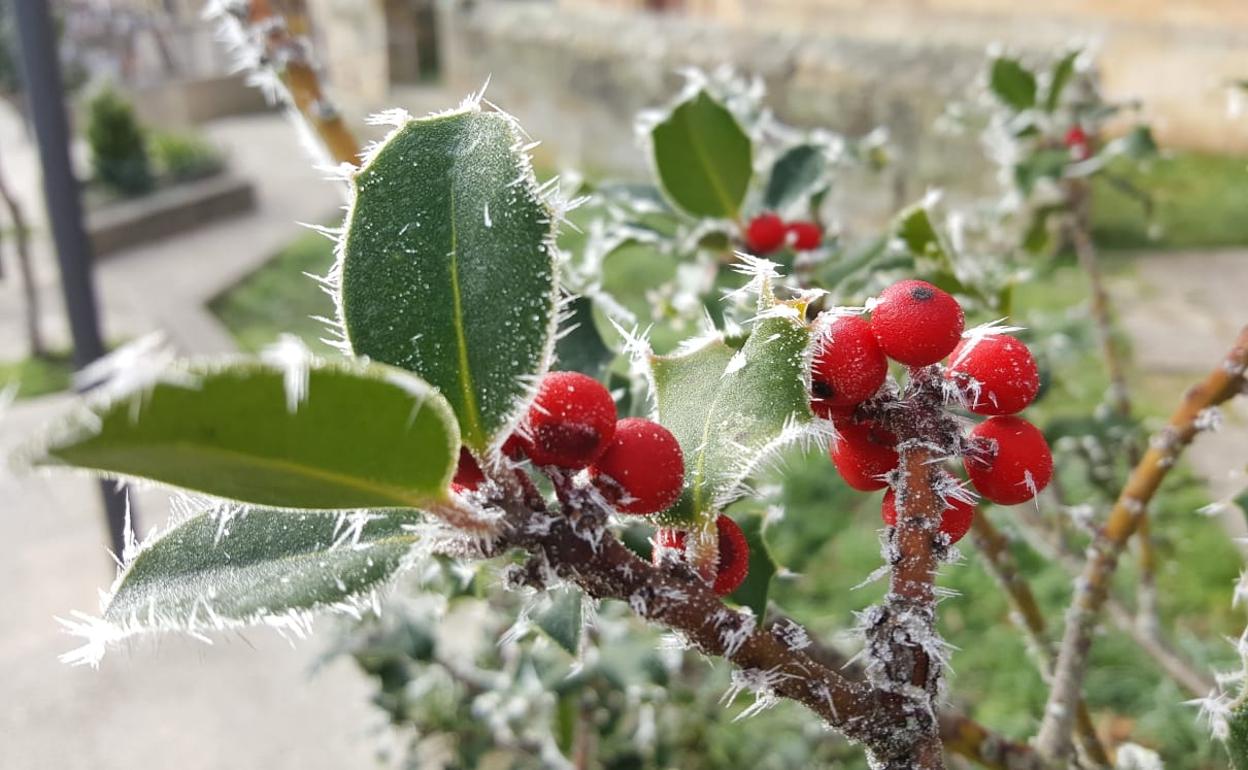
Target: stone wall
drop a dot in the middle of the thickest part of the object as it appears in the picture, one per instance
(576, 79)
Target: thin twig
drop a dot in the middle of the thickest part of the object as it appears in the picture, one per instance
(25, 266)
(285, 50)
(1027, 615)
(1092, 587)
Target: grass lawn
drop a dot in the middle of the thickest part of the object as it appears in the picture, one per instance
(37, 376)
(1200, 200)
(279, 298)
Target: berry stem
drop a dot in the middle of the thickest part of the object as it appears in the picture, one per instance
(1092, 587)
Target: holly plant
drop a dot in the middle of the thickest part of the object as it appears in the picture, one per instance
(462, 424)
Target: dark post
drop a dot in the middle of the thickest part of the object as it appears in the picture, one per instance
(41, 72)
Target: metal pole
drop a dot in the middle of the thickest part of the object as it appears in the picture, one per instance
(41, 72)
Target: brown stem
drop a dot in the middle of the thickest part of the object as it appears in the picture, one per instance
(1120, 396)
(960, 734)
(286, 50)
(1000, 563)
(1092, 588)
(25, 266)
(1049, 543)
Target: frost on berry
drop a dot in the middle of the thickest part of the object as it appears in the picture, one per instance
(916, 323)
(642, 469)
(1019, 466)
(571, 421)
(996, 372)
(848, 366)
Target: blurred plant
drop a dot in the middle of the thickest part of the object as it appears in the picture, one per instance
(184, 157)
(118, 144)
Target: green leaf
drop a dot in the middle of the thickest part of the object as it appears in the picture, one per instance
(933, 258)
(794, 175)
(731, 410)
(561, 621)
(1063, 70)
(1237, 739)
(358, 436)
(212, 573)
(703, 158)
(1136, 144)
(1013, 84)
(581, 348)
(447, 267)
(1039, 165)
(753, 591)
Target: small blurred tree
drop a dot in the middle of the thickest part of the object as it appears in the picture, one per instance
(118, 144)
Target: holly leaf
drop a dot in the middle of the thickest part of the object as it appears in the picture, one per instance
(447, 268)
(733, 409)
(309, 435)
(1012, 83)
(757, 585)
(561, 620)
(794, 175)
(932, 257)
(580, 347)
(703, 158)
(211, 573)
(1062, 72)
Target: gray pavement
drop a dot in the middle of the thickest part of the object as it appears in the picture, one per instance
(242, 702)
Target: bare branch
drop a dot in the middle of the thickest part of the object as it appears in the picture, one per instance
(1028, 616)
(1092, 587)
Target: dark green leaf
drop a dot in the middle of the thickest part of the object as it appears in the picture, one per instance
(794, 175)
(447, 269)
(1137, 144)
(933, 258)
(1039, 165)
(703, 158)
(264, 566)
(1237, 739)
(753, 592)
(561, 621)
(1063, 70)
(1013, 84)
(581, 347)
(358, 436)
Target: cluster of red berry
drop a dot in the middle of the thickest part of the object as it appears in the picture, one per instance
(635, 463)
(917, 324)
(767, 232)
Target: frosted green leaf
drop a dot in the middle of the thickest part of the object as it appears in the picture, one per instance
(732, 409)
(328, 436)
(272, 567)
(757, 584)
(561, 621)
(703, 158)
(447, 267)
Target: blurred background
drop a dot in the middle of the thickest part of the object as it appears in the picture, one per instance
(193, 191)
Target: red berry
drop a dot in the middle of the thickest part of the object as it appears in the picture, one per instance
(1077, 141)
(764, 234)
(917, 323)
(862, 453)
(997, 371)
(955, 521)
(468, 475)
(849, 366)
(804, 236)
(515, 446)
(1021, 465)
(646, 464)
(734, 553)
(734, 556)
(571, 421)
